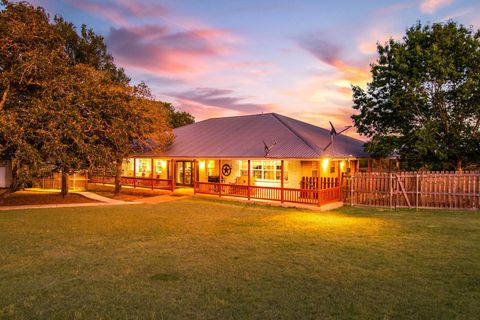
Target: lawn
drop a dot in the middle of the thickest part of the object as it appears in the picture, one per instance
(207, 259)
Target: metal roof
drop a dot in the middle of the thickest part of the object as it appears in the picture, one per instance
(243, 136)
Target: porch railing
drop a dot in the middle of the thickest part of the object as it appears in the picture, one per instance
(305, 196)
(151, 183)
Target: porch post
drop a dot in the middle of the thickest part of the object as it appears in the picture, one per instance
(380, 166)
(173, 174)
(339, 173)
(194, 176)
(152, 172)
(219, 177)
(318, 183)
(134, 173)
(248, 179)
(369, 166)
(281, 183)
(398, 164)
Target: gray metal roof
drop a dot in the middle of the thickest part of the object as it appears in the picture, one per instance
(242, 136)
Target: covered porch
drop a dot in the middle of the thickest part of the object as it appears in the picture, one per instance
(304, 181)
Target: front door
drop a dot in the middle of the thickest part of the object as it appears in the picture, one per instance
(184, 173)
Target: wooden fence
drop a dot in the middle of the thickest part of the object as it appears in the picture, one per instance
(454, 190)
(76, 181)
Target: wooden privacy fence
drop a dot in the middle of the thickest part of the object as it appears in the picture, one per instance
(76, 181)
(429, 189)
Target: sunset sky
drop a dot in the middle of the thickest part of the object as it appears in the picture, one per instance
(222, 58)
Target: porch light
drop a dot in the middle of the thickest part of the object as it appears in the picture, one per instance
(163, 163)
(325, 164)
(201, 165)
(342, 165)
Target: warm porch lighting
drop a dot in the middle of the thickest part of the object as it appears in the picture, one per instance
(342, 165)
(163, 163)
(325, 164)
(201, 165)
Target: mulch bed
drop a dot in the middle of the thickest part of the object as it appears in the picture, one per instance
(21, 198)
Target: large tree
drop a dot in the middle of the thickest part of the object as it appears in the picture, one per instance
(31, 56)
(423, 102)
(63, 103)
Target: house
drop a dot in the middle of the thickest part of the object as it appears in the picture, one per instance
(5, 174)
(262, 156)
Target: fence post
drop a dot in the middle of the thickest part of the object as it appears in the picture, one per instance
(351, 189)
(416, 193)
(391, 191)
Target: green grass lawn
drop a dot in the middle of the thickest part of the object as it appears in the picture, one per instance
(206, 259)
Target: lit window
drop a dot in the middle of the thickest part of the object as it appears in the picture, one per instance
(269, 170)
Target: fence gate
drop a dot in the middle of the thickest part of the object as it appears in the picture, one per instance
(430, 189)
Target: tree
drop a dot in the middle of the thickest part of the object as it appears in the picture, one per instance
(178, 118)
(64, 104)
(136, 122)
(31, 55)
(423, 102)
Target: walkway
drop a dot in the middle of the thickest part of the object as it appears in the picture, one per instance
(102, 201)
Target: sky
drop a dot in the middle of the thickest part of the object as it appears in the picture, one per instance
(227, 58)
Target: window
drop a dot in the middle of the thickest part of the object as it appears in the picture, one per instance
(144, 167)
(333, 164)
(270, 170)
(211, 168)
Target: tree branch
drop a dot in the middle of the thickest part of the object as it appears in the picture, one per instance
(4, 97)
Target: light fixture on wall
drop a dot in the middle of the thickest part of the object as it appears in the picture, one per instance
(163, 163)
(342, 165)
(325, 164)
(201, 165)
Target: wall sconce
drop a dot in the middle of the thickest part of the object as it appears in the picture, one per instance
(325, 164)
(201, 165)
(163, 163)
(342, 165)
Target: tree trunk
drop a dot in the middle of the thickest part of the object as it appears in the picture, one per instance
(459, 165)
(118, 178)
(64, 184)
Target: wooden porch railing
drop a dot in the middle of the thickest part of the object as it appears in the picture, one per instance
(151, 183)
(291, 195)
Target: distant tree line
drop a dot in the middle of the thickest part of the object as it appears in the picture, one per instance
(64, 105)
(423, 103)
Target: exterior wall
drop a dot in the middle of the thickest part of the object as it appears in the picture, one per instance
(5, 173)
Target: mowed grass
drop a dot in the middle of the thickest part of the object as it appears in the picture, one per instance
(206, 259)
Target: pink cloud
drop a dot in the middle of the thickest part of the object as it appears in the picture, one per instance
(430, 6)
(219, 98)
(120, 11)
(158, 49)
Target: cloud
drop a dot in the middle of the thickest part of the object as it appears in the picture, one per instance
(158, 49)
(321, 47)
(430, 6)
(332, 53)
(120, 11)
(219, 98)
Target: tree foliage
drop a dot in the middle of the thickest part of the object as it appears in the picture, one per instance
(423, 102)
(64, 104)
(178, 118)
